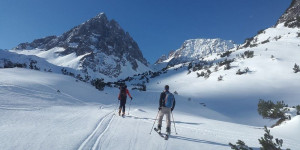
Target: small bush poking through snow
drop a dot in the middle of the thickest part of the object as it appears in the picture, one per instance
(272, 56)
(220, 78)
(264, 42)
(249, 54)
(225, 62)
(296, 68)
(240, 145)
(200, 74)
(239, 72)
(225, 54)
(298, 109)
(207, 74)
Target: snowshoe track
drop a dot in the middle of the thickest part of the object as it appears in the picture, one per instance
(93, 140)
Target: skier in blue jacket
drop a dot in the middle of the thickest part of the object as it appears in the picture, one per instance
(166, 105)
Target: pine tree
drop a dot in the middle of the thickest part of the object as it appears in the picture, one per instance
(296, 68)
(270, 110)
(267, 142)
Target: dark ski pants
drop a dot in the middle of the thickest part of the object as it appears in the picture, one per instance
(122, 105)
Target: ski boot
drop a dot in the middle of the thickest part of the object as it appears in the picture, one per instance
(159, 128)
(168, 133)
(168, 130)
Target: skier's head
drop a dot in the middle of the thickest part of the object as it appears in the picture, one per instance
(125, 86)
(166, 87)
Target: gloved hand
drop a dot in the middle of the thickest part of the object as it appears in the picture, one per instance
(131, 98)
(159, 108)
(172, 109)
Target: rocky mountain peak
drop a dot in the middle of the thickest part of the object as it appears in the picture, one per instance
(194, 49)
(291, 16)
(94, 41)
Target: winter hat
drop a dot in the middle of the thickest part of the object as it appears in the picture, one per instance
(167, 88)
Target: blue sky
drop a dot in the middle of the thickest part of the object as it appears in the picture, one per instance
(158, 26)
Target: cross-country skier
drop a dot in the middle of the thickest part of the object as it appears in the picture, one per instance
(122, 98)
(166, 105)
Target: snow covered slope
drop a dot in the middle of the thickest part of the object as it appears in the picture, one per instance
(35, 116)
(270, 76)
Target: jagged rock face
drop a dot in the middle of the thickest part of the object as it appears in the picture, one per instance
(291, 17)
(194, 49)
(97, 39)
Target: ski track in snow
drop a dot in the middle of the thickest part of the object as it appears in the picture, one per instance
(42, 92)
(92, 142)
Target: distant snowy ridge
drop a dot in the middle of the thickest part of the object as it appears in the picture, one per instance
(10, 60)
(195, 49)
(98, 48)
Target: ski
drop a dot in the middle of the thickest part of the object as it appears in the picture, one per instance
(166, 136)
(163, 135)
(159, 133)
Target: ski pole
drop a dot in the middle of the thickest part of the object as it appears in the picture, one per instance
(154, 121)
(116, 106)
(129, 107)
(174, 123)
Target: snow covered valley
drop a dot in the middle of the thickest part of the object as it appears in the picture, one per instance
(41, 110)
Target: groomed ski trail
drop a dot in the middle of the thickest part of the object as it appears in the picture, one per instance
(93, 140)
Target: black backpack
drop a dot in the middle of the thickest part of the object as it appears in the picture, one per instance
(123, 92)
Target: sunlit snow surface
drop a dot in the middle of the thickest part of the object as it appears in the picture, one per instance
(41, 110)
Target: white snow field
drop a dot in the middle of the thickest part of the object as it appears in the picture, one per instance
(46, 111)
(35, 115)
